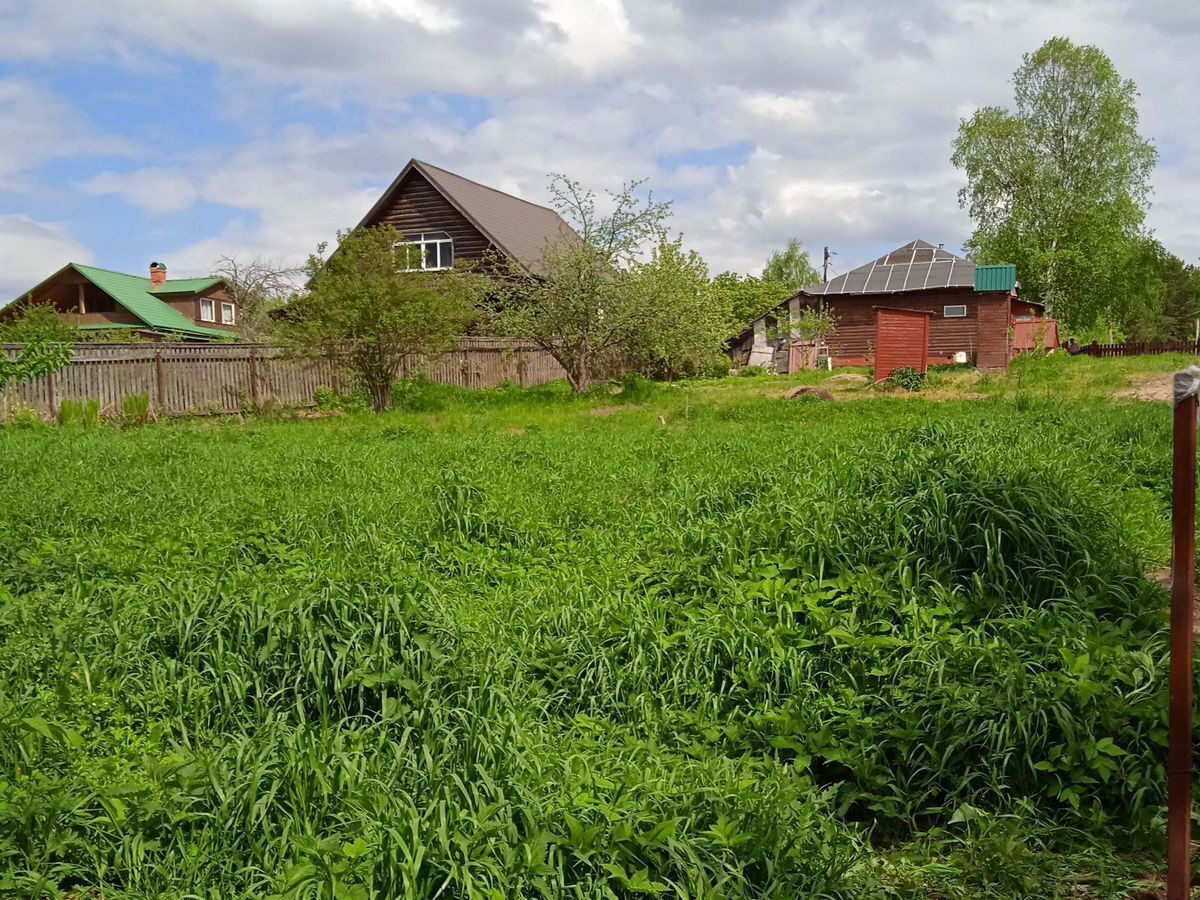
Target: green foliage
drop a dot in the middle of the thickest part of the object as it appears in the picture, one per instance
(329, 400)
(598, 304)
(636, 389)
(418, 394)
(746, 297)
(79, 413)
(70, 413)
(907, 378)
(1060, 185)
(747, 656)
(791, 268)
(46, 344)
(136, 408)
(366, 313)
(684, 327)
(37, 323)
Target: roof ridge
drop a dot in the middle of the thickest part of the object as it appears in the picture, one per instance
(142, 277)
(487, 187)
(109, 271)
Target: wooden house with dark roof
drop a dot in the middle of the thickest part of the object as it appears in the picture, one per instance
(975, 312)
(445, 218)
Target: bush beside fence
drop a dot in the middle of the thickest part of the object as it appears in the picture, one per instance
(183, 379)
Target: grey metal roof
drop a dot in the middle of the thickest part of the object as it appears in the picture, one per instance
(917, 266)
(514, 226)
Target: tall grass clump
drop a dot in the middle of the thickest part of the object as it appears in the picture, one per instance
(751, 655)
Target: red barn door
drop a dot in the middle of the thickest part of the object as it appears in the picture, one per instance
(901, 340)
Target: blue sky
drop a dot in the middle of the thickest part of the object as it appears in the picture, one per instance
(183, 132)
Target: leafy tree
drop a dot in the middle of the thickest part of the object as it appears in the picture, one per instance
(688, 325)
(1059, 185)
(1162, 295)
(746, 297)
(791, 268)
(258, 286)
(810, 326)
(46, 343)
(367, 314)
(594, 299)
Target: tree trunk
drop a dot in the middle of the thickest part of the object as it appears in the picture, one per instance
(379, 389)
(583, 379)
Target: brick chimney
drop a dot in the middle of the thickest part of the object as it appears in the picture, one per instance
(158, 273)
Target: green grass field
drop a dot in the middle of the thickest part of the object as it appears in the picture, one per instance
(690, 641)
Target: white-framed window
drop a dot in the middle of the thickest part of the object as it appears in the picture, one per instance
(207, 310)
(227, 317)
(955, 312)
(427, 252)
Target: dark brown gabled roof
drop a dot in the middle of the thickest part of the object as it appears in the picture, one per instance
(917, 266)
(516, 227)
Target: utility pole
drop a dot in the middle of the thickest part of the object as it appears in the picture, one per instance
(825, 266)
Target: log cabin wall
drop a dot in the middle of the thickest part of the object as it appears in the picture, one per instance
(419, 208)
(853, 341)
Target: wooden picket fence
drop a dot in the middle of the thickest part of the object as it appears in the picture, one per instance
(1141, 348)
(184, 379)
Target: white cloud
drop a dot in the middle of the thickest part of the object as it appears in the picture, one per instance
(797, 111)
(33, 251)
(849, 110)
(155, 190)
(592, 34)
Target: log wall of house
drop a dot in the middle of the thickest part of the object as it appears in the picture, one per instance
(853, 341)
(419, 207)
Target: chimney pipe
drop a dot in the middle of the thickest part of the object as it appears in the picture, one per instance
(158, 273)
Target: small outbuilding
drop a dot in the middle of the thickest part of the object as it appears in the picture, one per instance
(974, 313)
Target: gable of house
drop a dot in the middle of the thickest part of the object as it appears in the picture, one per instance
(426, 199)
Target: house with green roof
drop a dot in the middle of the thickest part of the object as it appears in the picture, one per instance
(158, 308)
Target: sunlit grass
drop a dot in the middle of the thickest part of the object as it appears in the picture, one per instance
(698, 641)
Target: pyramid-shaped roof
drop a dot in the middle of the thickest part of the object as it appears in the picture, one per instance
(917, 266)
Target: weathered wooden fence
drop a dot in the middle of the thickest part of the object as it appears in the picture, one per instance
(1141, 348)
(183, 379)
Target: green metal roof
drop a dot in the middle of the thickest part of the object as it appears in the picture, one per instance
(995, 278)
(186, 285)
(135, 295)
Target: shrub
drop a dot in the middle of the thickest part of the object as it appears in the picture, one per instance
(907, 378)
(635, 388)
(417, 394)
(753, 371)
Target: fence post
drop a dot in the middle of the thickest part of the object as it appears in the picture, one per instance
(160, 383)
(1183, 580)
(255, 392)
(52, 395)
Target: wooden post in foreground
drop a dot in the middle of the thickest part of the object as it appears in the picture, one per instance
(1183, 580)
(160, 381)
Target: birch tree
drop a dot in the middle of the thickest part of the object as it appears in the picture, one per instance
(1059, 185)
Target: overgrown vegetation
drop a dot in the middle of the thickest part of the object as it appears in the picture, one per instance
(880, 649)
(369, 313)
(47, 344)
